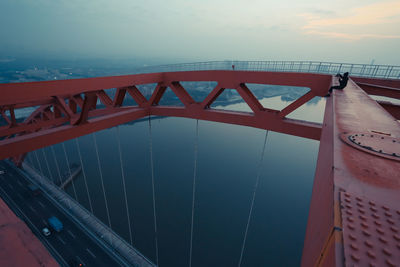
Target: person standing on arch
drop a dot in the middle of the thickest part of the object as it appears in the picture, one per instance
(342, 83)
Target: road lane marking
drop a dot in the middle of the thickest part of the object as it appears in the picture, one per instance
(41, 204)
(81, 261)
(32, 208)
(61, 240)
(71, 234)
(49, 246)
(91, 253)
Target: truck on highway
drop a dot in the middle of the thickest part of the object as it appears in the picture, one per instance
(55, 224)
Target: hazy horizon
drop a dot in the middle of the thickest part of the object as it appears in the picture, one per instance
(182, 31)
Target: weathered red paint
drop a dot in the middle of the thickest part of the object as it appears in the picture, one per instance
(340, 167)
(343, 168)
(61, 99)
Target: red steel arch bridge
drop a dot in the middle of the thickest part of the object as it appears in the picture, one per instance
(354, 215)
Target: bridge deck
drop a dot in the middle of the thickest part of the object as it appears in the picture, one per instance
(19, 246)
(344, 169)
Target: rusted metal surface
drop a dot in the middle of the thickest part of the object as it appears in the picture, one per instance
(344, 168)
(371, 232)
(68, 107)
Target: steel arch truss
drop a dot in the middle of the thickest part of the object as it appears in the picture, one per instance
(67, 109)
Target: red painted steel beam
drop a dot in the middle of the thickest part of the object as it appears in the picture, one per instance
(378, 81)
(17, 93)
(380, 90)
(29, 142)
(265, 120)
(343, 168)
(61, 98)
(393, 109)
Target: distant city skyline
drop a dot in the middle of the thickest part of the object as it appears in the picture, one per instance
(180, 31)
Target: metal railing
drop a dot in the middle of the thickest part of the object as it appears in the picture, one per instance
(361, 70)
(90, 223)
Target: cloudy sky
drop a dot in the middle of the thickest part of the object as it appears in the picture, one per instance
(356, 31)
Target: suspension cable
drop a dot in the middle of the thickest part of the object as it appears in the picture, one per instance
(48, 166)
(101, 179)
(194, 189)
(84, 174)
(70, 173)
(253, 198)
(55, 160)
(123, 182)
(37, 159)
(152, 184)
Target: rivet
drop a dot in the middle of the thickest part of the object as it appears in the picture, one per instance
(369, 243)
(347, 199)
(376, 216)
(355, 257)
(350, 219)
(360, 204)
(373, 209)
(398, 212)
(365, 232)
(353, 246)
(394, 229)
(379, 230)
(371, 254)
(394, 141)
(378, 223)
(390, 263)
(359, 199)
(352, 237)
(385, 207)
(383, 240)
(361, 210)
(382, 137)
(362, 217)
(390, 221)
(362, 134)
(372, 135)
(351, 226)
(349, 212)
(388, 214)
(397, 237)
(387, 251)
(347, 194)
(364, 224)
(348, 206)
(372, 203)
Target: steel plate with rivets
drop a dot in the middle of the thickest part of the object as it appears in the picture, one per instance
(379, 145)
(371, 232)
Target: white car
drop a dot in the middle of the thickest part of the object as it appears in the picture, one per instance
(46, 231)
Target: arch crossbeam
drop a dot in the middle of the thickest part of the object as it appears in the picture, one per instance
(68, 109)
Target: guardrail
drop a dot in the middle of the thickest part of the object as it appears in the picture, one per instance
(87, 221)
(361, 70)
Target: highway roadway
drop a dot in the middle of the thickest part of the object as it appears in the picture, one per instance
(69, 245)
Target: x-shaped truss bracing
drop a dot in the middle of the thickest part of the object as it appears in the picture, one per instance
(67, 109)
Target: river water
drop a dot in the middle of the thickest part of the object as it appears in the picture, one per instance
(228, 161)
